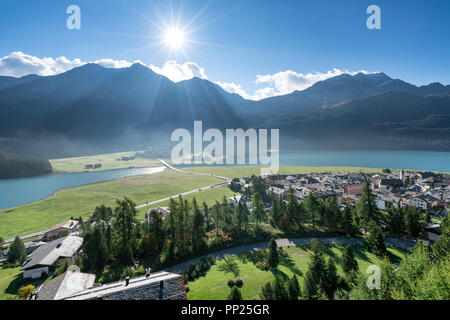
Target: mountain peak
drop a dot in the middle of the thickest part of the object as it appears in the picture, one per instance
(139, 66)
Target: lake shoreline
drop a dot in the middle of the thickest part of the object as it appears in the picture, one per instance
(10, 209)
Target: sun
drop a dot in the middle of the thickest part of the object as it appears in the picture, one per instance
(175, 38)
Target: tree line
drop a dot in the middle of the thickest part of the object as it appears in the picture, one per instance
(17, 166)
(115, 237)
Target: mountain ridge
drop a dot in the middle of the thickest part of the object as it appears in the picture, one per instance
(134, 106)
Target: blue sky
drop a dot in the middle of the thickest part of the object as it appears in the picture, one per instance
(234, 41)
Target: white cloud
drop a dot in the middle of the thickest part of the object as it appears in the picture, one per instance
(232, 87)
(289, 81)
(18, 64)
(179, 72)
(284, 82)
(114, 64)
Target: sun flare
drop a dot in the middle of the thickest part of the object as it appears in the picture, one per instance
(175, 38)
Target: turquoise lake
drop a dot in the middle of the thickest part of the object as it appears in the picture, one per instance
(15, 192)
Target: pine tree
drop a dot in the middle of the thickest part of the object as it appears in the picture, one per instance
(198, 227)
(414, 222)
(317, 264)
(258, 213)
(207, 217)
(273, 258)
(317, 270)
(441, 249)
(309, 286)
(312, 206)
(395, 219)
(331, 213)
(375, 241)
(347, 223)
(349, 264)
(331, 280)
(275, 213)
(235, 294)
(17, 252)
(366, 208)
(279, 289)
(242, 216)
(95, 251)
(173, 208)
(217, 217)
(294, 288)
(267, 292)
(124, 224)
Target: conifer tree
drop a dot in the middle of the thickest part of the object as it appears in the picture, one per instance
(273, 258)
(17, 252)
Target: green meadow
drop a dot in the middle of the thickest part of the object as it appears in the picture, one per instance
(213, 286)
(81, 201)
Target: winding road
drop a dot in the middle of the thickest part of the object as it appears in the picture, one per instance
(405, 244)
(217, 185)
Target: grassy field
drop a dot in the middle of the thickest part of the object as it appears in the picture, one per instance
(11, 281)
(247, 171)
(109, 162)
(209, 196)
(81, 201)
(214, 286)
(6, 278)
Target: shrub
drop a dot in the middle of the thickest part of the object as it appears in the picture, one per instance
(230, 283)
(235, 294)
(25, 292)
(140, 271)
(229, 265)
(262, 265)
(211, 260)
(126, 272)
(239, 283)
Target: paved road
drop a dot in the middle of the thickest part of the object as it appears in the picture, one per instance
(217, 185)
(404, 244)
(27, 236)
(190, 172)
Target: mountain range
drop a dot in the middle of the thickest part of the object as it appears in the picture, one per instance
(95, 109)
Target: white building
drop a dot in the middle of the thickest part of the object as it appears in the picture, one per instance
(44, 259)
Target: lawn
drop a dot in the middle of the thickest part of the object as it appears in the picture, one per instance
(109, 162)
(214, 286)
(11, 281)
(247, 171)
(6, 278)
(81, 201)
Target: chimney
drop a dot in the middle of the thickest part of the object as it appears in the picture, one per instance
(127, 281)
